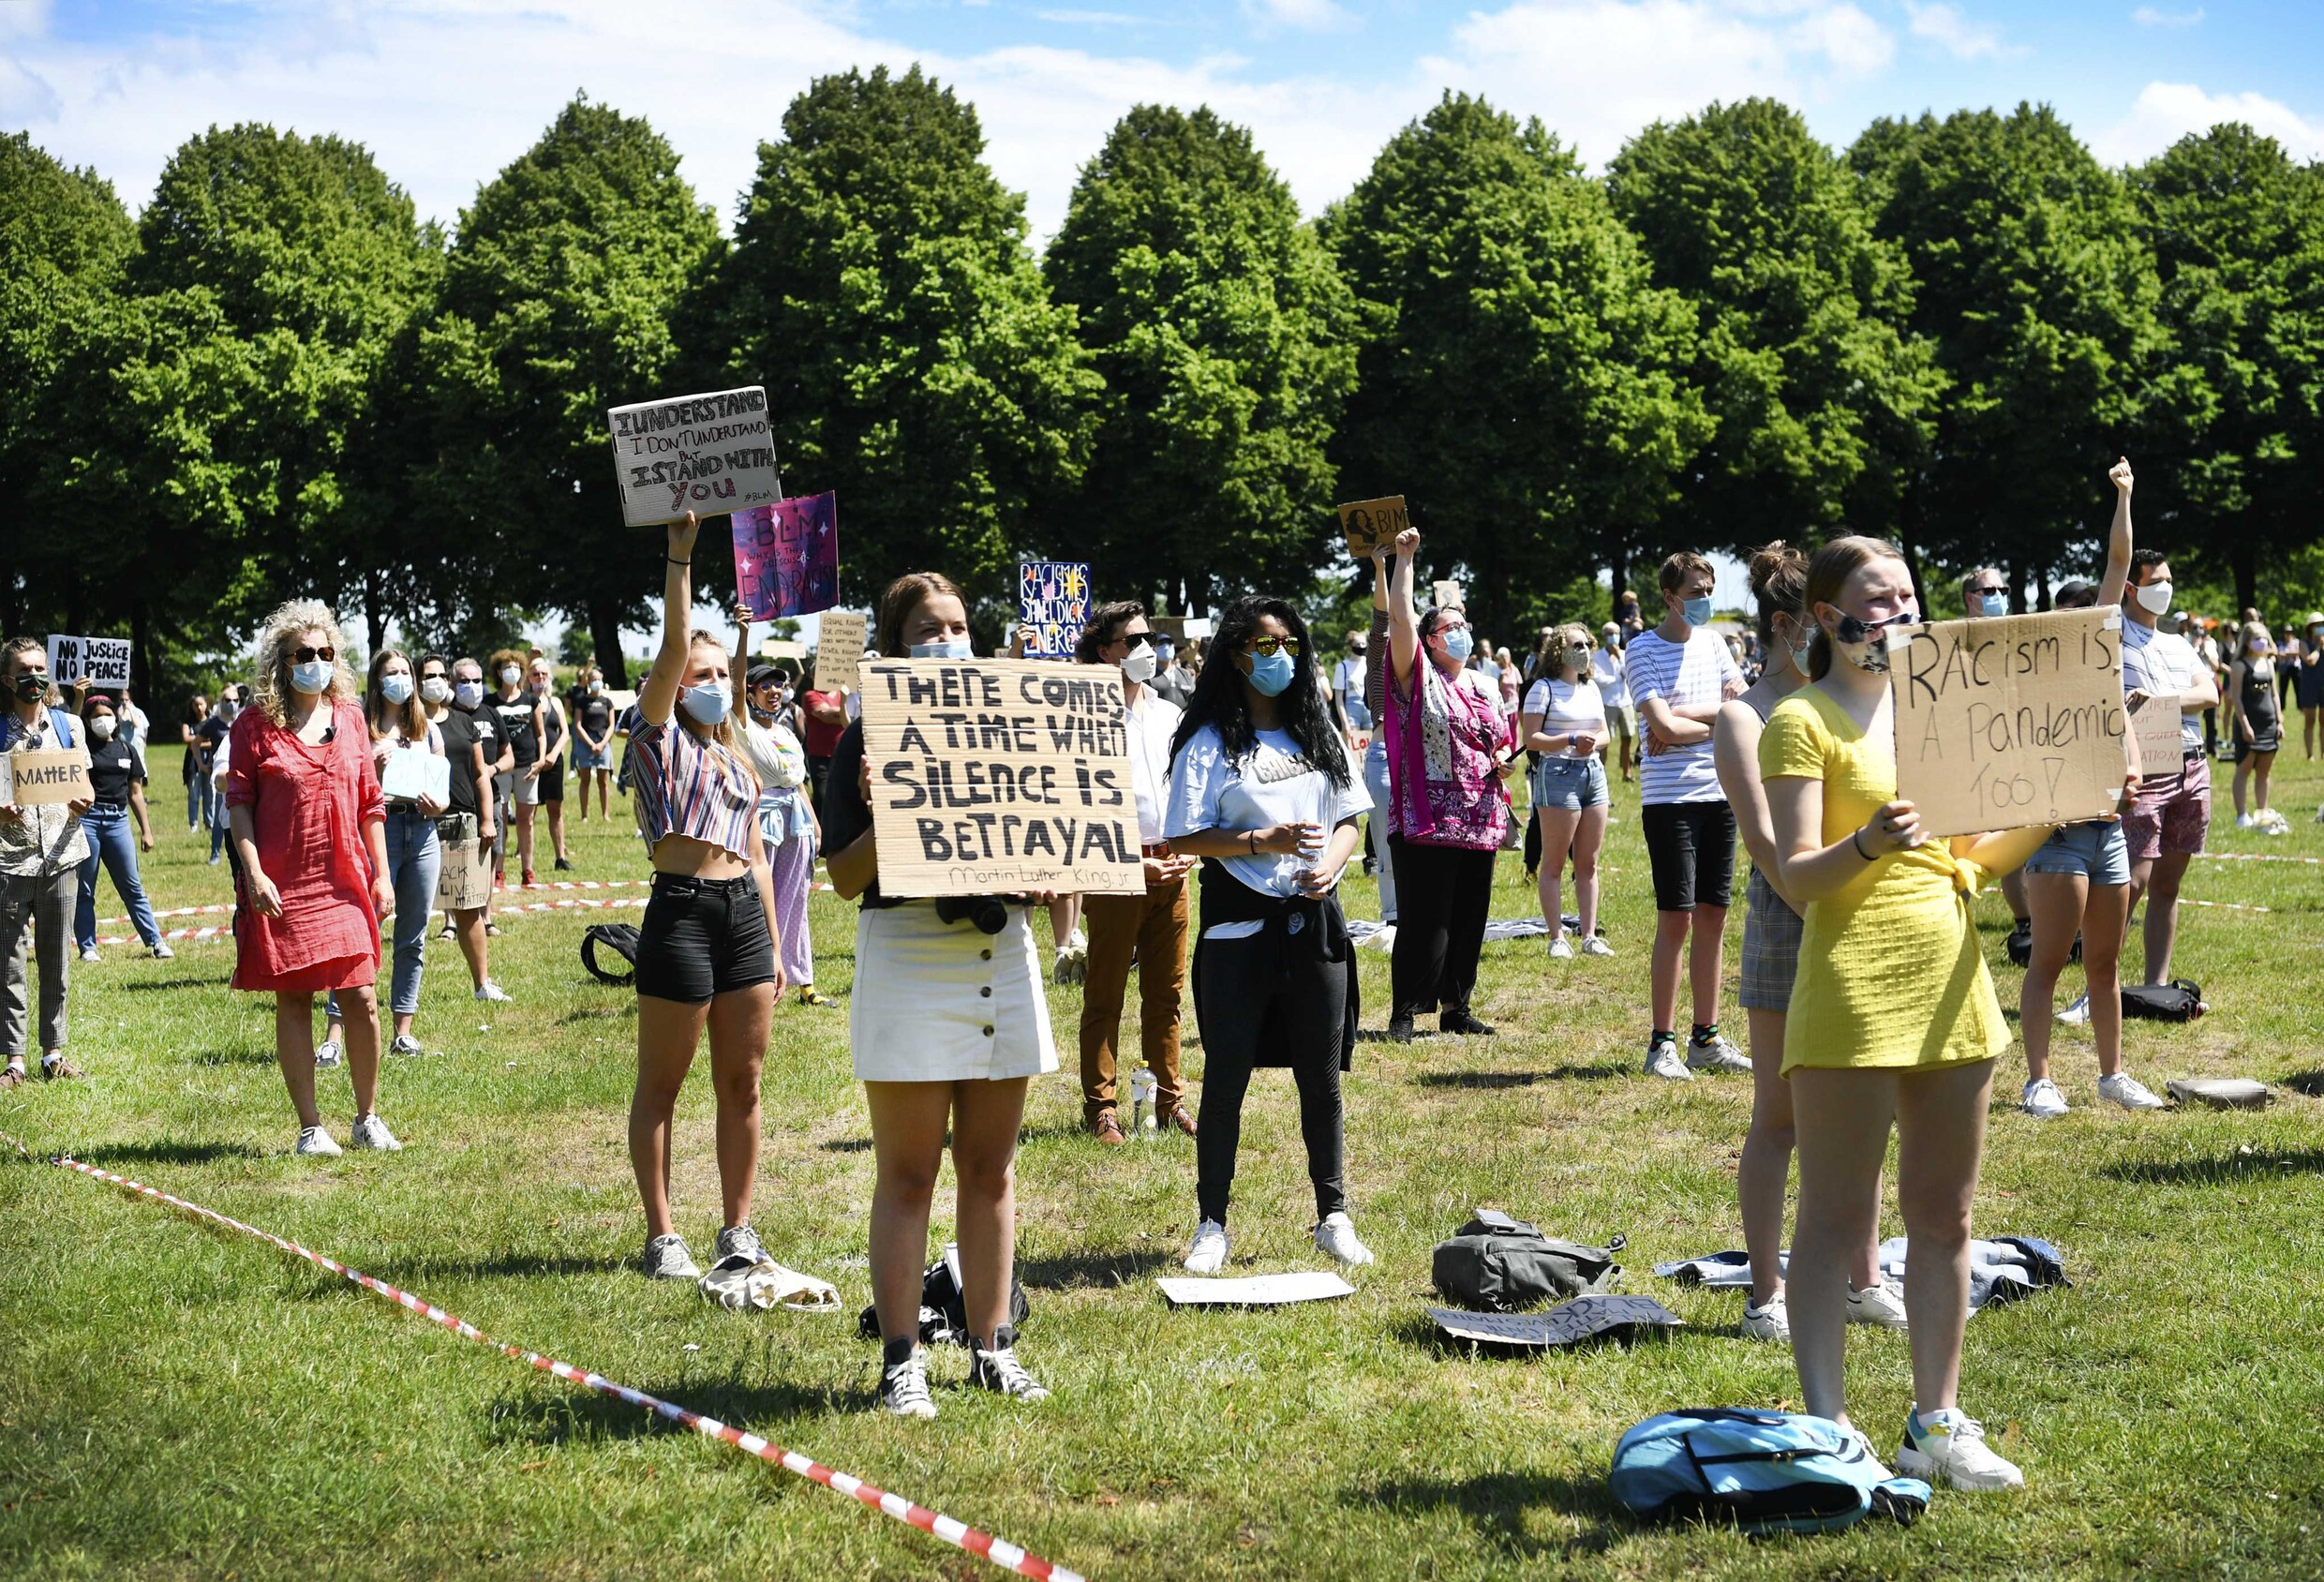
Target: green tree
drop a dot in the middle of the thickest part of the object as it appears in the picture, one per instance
(1225, 336)
(1520, 380)
(2040, 295)
(881, 289)
(2238, 235)
(558, 301)
(1826, 407)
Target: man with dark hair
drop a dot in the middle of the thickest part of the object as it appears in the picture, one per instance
(2165, 823)
(1151, 928)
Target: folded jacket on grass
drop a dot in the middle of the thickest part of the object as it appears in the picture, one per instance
(2000, 1270)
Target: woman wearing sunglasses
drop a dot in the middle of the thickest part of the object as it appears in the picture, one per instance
(311, 833)
(1262, 792)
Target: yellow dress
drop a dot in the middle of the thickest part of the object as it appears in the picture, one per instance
(1890, 972)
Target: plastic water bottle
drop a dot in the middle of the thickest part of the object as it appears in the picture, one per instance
(1142, 1118)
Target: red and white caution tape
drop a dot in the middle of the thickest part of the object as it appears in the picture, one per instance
(559, 885)
(2225, 905)
(210, 931)
(2256, 857)
(998, 1550)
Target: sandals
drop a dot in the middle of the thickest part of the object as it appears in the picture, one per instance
(13, 1077)
(807, 996)
(59, 1069)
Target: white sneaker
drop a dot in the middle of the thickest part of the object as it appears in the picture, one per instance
(668, 1259)
(903, 1388)
(1663, 1061)
(1208, 1255)
(371, 1132)
(1336, 1236)
(1951, 1445)
(1882, 1305)
(1594, 946)
(161, 952)
(407, 1046)
(316, 1144)
(2041, 1100)
(1771, 1322)
(2077, 1014)
(493, 992)
(1559, 950)
(1720, 1054)
(2127, 1091)
(2244, 821)
(327, 1054)
(89, 954)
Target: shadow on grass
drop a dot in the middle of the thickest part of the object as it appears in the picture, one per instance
(2216, 1170)
(609, 1013)
(576, 1416)
(1598, 1071)
(2309, 1082)
(252, 1054)
(847, 1145)
(505, 1265)
(156, 985)
(166, 1152)
(1105, 1270)
(1496, 1504)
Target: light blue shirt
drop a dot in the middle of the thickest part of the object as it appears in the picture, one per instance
(1274, 784)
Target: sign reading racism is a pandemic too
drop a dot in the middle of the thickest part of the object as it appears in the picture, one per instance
(994, 776)
(704, 454)
(2010, 721)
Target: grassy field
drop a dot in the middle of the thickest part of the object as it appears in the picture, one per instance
(182, 1403)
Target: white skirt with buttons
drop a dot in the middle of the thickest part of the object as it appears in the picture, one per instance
(937, 1002)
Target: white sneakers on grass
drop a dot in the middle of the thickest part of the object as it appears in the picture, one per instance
(2127, 1091)
(1950, 1445)
(1208, 1255)
(407, 1046)
(1717, 1054)
(161, 952)
(1772, 1322)
(1594, 946)
(492, 991)
(315, 1144)
(1881, 1305)
(1336, 1237)
(327, 1054)
(88, 953)
(667, 1258)
(2041, 1100)
(371, 1132)
(1559, 950)
(903, 1388)
(2077, 1014)
(1662, 1060)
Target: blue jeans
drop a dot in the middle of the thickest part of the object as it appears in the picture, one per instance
(221, 826)
(199, 793)
(414, 859)
(113, 841)
(1376, 824)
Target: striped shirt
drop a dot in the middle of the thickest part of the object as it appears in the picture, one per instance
(687, 786)
(1689, 674)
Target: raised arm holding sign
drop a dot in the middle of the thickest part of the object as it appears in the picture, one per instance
(702, 454)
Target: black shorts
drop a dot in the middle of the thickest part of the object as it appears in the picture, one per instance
(553, 781)
(702, 938)
(1691, 847)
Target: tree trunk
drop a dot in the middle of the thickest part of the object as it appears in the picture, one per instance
(2041, 585)
(2017, 588)
(141, 665)
(375, 614)
(1617, 578)
(1912, 565)
(605, 634)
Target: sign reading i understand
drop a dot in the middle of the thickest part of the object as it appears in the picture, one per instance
(994, 776)
(710, 453)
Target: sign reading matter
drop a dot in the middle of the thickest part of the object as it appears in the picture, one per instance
(839, 650)
(105, 660)
(994, 776)
(704, 454)
(787, 556)
(1052, 598)
(1372, 525)
(30, 779)
(2009, 722)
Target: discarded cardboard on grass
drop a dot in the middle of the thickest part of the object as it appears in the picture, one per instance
(993, 776)
(1256, 1290)
(2220, 1093)
(2010, 721)
(2161, 742)
(839, 650)
(710, 454)
(1372, 525)
(32, 779)
(1585, 1318)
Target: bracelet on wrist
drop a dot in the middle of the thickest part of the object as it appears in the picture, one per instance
(1856, 840)
(675, 561)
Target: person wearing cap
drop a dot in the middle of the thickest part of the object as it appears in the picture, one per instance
(786, 815)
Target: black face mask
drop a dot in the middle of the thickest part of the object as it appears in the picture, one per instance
(32, 686)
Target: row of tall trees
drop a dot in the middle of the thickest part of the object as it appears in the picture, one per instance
(278, 379)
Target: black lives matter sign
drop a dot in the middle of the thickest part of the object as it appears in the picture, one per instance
(710, 453)
(994, 776)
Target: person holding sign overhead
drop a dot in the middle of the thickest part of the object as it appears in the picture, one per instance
(313, 884)
(43, 847)
(1262, 792)
(705, 949)
(1893, 1021)
(948, 1022)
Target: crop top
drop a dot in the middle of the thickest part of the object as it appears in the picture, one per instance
(687, 786)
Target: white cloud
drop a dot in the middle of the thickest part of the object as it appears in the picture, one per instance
(2147, 16)
(2167, 111)
(1307, 16)
(1955, 34)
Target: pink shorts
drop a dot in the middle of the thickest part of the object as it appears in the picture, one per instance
(2173, 817)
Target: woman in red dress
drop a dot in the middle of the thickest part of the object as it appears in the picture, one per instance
(310, 827)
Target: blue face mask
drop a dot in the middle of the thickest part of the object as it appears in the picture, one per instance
(1459, 643)
(469, 693)
(958, 649)
(312, 677)
(1271, 672)
(1990, 604)
(705, 705)
(396, 689)
(1697, 611)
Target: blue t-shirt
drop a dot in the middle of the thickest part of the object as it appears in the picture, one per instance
(1274, 784)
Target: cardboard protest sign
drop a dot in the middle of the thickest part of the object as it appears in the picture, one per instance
(1199, 628)
(1053, 599)
(991, 776)
(782, 648)
(704, 454)
(61, 774)
(2009, 722)
(105, 660)
(2161, 744)
(839, 651)
(1372, 525)
(1170, 626)
(1255, 1290)
(787, 556)
(414, 772)
(1447, 595)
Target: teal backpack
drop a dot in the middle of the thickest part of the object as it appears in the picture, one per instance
(1765, 1472)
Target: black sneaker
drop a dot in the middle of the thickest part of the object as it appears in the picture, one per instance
(1461, 1021)
(1400, 1027)
(999, 1370)
(563, 866)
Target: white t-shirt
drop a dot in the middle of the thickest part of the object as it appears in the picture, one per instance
(1690, 674)
(140, 726)
(1605, 668)
(1273, 786)
(2162, 663)
(1347, 680)
(1568, 706)
(1151, 721)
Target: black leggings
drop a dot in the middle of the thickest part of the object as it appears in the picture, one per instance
(1443, 897)
(1533, 841)
(1247, 1006)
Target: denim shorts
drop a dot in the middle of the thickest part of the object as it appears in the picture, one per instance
(2095, 850)
(1570, 783)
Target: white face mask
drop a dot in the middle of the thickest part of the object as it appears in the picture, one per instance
(436, 690)
(1138, 664)
(509, 674)
(396, 686)
(2154, 597)
(102, 728)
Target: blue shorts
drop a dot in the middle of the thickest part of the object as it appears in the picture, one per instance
(1570, 783)
(584, 757)
(2097, 851)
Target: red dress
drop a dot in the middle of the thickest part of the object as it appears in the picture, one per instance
(308, 805)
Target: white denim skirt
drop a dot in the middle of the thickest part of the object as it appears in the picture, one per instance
(937, 1002)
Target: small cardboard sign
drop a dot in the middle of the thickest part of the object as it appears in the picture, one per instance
(1447, 596)
(783, 648)
(705, 453)
(1372, 525)
(839, 650)
(1199, 628)
(44, 777)
(1170, 626)
(1053, 599)
(414, 772)
(993, 776)
(787, 556)
(2162, 752)
(2009, 722)
(1255, 1290)
(105, 660)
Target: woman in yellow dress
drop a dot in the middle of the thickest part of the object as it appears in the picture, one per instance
(1893, 1019)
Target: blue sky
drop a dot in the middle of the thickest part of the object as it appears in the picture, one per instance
(445, 92)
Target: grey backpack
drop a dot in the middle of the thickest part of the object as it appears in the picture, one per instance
(1497, 1264)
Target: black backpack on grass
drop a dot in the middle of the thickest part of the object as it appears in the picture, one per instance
(622, 939)
(1497, 1264)
(2180, 1000)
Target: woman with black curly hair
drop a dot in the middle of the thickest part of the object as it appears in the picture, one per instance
(1262, 792)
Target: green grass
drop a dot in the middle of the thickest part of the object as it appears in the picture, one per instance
(180, 1403)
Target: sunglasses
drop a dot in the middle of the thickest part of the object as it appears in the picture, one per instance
(1989, 591)
(307, 656)
(1265, 647)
